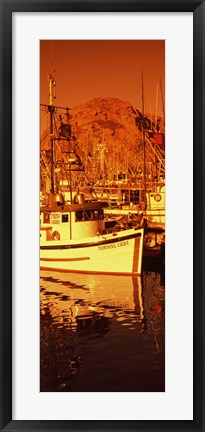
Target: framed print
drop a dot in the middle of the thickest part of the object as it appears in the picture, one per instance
(102, 108)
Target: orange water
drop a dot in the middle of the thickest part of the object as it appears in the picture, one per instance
(102, 333)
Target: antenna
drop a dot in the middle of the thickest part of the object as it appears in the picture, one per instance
(52, 61)
(52, 85)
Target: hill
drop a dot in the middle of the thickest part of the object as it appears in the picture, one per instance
(107, 138)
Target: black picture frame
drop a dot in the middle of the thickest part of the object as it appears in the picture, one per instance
(7, 8)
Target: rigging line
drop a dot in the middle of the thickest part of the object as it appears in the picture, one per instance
(156, 107)
(85, 223)
(64, 160)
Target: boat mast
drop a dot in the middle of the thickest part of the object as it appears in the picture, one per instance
(51, 111)
(144, 145)
(156, 106)
(162, 96)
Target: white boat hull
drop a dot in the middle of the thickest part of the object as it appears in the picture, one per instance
(118, 253)
(155, 216)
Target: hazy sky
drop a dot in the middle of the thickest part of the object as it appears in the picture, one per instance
(88, 69)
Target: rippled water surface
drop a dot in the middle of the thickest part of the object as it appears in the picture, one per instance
(102, 333)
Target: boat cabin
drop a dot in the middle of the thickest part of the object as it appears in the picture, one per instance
(71, 221)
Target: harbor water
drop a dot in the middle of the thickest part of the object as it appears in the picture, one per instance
(102, 333)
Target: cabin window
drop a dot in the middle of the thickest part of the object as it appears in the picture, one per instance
(46, 218)
(79, 216)
(101, 214)
(86, 215)
(64, 217)
(135, 196)
(95, 214)
(89, 215)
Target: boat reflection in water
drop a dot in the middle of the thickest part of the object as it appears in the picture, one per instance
(102, 333)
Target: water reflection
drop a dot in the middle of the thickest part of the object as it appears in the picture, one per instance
(102, 333)
(90, 299)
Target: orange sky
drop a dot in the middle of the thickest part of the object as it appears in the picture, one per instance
(95, 68)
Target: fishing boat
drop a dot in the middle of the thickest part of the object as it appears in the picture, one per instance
(154, 210)
(72, 232)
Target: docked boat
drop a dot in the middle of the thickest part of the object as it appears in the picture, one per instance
(154, 212)
(72, 232)
(72, 240)
(129, 199)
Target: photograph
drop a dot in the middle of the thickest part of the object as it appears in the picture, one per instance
(102, 215)
(102, 150)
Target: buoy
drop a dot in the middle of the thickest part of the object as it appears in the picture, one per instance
(55, 235)
(157, 197)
